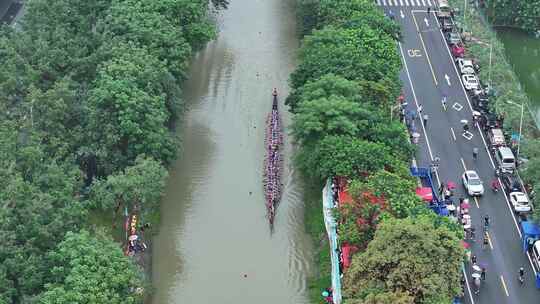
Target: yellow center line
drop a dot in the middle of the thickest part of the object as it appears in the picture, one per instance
(504, 286)
(425, 49)
(463, 163)
(489, 241)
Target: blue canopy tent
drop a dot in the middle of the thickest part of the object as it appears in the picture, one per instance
(437, 205)
(531, 233)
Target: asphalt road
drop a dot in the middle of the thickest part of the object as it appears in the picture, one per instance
(9, 9)
(429, 73)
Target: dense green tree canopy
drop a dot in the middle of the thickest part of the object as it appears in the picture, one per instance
(405, 256)
(37, 205)
(329, 116)
(354, 13)
(16, 76)
(131, 187)
(191, 16)
(361, 53)
(531, 169)
(87, 270)
(130, 111)
(344, 156)
(394, 135)
(339, 116)
(384, 298)
(318, 14)
(133, 21)
(57, 115)
(58, 37)
(327, 86)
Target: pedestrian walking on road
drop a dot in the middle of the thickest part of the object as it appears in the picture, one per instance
(465, 124)
(435, 163)
(420, 108)
(413, 114)
(443, 101)
(475, 153)
(426, 117)
(483, 274)
(473, 259)
(428, 10)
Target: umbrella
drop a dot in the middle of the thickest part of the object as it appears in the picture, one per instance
(133, 237)
(465, 244)
(451, 185)
(425, 193)
(416, 137)
(476, 275)
(464, 205)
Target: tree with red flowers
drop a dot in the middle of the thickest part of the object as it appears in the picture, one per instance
(359, 218)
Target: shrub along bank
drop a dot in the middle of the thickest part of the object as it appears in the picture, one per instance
(342, 91)
(522, 14)
(88, 90)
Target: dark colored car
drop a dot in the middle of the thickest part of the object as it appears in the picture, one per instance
(511, 183)
(480, 102)
(446, 24)
(489, 121)
(453, 38)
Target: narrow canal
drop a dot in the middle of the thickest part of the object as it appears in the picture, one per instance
(523, 52)
(214, 244)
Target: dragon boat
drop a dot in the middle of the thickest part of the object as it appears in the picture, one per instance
(273, 160)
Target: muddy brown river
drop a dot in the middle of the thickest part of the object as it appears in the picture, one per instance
(214, 244)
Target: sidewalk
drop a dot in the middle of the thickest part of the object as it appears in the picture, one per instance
(331, 227)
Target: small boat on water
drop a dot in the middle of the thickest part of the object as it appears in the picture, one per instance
(273, 160)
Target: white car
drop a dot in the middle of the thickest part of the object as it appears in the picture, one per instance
(473, 183)
(470, 82)
(520, 202)
(465, 66)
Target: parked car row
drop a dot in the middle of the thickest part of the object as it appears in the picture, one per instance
(467, 68)
(490, 123)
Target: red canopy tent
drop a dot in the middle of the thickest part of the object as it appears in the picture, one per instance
(346, 253)
(343, 194)
(344, 197)
(425, 193)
